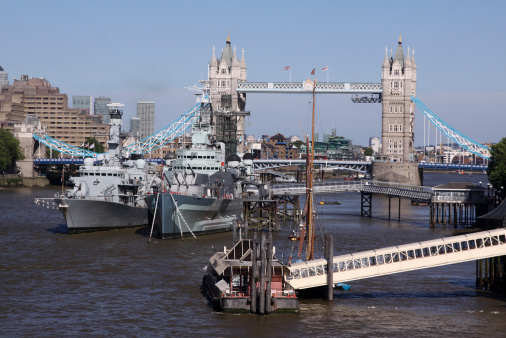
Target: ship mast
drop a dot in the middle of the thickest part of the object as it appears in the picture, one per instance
(309, 192)
(307, 231)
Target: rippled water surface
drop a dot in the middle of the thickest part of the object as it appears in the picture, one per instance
(117, 283)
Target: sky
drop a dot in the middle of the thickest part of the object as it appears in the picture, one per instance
(150, 50)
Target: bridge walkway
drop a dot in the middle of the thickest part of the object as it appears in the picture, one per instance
(375, 187)
(402, 258)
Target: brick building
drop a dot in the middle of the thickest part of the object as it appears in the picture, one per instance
(36, 97)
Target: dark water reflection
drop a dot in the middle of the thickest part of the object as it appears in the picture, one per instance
(116, 283)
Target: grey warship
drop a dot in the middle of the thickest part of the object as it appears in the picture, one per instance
(199, 194)
(110, 190)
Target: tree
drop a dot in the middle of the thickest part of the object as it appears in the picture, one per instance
(497, 166)
(298, 144)
(97, 148)
(52, 153)
(369, 152)
(10, 151)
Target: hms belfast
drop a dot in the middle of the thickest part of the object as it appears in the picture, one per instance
(202, 188)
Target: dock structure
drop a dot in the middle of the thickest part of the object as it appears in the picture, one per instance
(261, 214)
(458, 204)
(420, 255)
(490, 272)
(288, 207)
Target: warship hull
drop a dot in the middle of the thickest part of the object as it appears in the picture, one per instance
(193, 214)
(84, 215)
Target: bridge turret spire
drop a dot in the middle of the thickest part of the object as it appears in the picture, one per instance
(214, 63)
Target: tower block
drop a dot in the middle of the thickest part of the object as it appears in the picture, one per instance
(227, 104)
(398, 80)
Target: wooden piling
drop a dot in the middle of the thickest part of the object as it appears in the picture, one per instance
(329, 252)
(261, 307)
(399, 211)
(254, 275)
(268, 274)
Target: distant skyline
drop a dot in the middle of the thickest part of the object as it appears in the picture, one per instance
(150, 50)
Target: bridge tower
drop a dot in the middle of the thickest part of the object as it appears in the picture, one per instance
(226, 102)
(398, 82)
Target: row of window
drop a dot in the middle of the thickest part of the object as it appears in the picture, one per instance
(396, 109)
(395, 84)
(399, 256)
(395, 128)
(100, 174)
(209, 157)
(222, 83)
(198, 168)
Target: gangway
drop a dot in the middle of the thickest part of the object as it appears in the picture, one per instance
(375, 187)
(396, 259)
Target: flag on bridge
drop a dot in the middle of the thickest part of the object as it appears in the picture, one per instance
(92, 146)
(325, 68)
(287, 68)
(312, 72)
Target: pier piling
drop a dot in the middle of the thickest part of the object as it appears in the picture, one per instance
(254, 274)
(329, 255)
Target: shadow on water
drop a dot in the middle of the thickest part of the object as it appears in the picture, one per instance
(145, 231)
(59, 229)
(417, 295)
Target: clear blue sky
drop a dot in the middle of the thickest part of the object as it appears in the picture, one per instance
(149, 50)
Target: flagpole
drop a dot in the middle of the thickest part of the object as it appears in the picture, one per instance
(328, 74)
(290, 74)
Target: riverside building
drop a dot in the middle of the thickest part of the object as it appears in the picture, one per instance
(36, 97)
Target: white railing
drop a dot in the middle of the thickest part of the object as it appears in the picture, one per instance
(396, 259)
(392, 189)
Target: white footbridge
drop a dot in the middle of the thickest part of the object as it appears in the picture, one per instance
(374, 187)
(396, 259)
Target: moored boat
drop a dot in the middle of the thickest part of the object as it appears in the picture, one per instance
(232, 285)
(109, 192)
(199, 194)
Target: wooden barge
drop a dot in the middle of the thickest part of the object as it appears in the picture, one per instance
(228, 281)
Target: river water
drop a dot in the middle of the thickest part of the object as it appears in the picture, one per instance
(117, 283)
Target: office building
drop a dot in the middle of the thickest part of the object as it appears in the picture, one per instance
(146, 115)
(82, 102)
(100, 108)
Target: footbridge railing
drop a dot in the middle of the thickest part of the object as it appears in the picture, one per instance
(375, 187)
(402, 258)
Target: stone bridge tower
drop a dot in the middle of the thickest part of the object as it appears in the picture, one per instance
(227, 104)
(398, 81)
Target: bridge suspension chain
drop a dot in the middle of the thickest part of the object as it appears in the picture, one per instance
(170, 132)
(63, 147)
(459, 138)
(146, 145)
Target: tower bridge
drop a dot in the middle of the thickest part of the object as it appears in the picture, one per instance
(227, 87)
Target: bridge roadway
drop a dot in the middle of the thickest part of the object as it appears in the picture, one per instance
(358, 166)
(396, 259)
(390, 189)
(307, 87)
(263, 164)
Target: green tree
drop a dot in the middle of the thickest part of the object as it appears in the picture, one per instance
(98, 147)
(10, 151)
(52, 154)
(298, 144)
(369, 152)
(497, 166)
